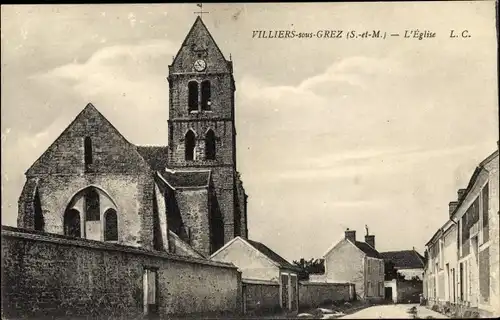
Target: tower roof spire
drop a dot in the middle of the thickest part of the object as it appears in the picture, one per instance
(199, 45)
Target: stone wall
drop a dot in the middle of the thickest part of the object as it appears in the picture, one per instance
(409, 291)
(261, 297)
(314, 294)
(53, 275)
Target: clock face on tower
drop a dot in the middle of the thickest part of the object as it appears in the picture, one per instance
(200, 65)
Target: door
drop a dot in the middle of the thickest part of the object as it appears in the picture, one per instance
(474, 272)
(293, 292)
(150, 299)
(448, 281)
(388, 293)
(454, 284)
(284, 291)
(462, 282)
(244, 298)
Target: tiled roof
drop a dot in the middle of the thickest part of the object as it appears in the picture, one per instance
(404, 259)
(367, 249)
(155, 156)
(186, 179)
(271, 254)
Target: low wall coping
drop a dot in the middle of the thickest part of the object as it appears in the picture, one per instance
(262, 282)
(308, 283)
(12, 232)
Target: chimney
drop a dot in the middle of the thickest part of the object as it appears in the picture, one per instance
(461, 193)
(370, 239)
(350, 235)
(452, 206)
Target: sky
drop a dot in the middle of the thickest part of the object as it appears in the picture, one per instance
(332, 133)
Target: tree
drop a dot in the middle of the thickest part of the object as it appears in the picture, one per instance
(391, 272)
(312, 266)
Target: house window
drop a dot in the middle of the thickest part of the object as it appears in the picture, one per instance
(110, 225)
(205, 95)
(485, 200)
(87, 150)
(192, 96)
(210, 145)
(92, 205)
(369, 291)
(459, 236)
(39, 221)
(369, 266)
(190, 145)
(441, 253)
(149, 289)
(72, 223)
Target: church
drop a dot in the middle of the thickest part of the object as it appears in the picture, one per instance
(185, 198)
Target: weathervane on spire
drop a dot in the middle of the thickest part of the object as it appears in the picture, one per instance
(201, 12)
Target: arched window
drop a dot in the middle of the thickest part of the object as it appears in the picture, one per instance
(110, 225)
(72, 223)
(210, 145)
(190, 145)
(87, 146)
(193, 96)
(92, 205)
(39, 221)
(205, 95)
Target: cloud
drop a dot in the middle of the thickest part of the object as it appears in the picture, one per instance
(365, 163)
(125, 82)
(119, 61)
(351, 72)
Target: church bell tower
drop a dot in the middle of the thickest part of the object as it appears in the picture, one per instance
(201, 125)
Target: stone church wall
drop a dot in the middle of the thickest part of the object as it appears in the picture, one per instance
(133, 195)
(224, 185)
(223, 145)
(45, 274)
(193, 205)
(221, 106)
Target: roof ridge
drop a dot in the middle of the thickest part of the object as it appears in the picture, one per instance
(276, 257)
(89, 108)
(418, 256)
(396, 251)
(150, 146)
(89, 105)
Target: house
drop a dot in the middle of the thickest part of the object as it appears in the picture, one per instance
(404, 272)
(463, 265)
(408, 263)
(356, 262)
(273, 280)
